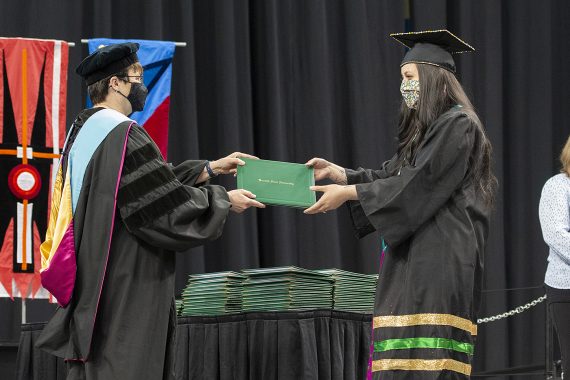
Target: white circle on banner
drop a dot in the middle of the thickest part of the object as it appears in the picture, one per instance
(26, 181)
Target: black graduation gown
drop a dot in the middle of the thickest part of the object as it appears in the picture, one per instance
(435, 223)
(121, 320)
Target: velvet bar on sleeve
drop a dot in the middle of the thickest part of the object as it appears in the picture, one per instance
(158, 208)
(188, 171)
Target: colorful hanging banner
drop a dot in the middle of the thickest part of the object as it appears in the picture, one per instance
(33, 90)
(156, 59)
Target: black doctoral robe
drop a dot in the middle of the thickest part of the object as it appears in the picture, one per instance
(121, 320)
(435, 222)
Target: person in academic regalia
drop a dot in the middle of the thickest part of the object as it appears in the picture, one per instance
(431, 204)
(119, 212)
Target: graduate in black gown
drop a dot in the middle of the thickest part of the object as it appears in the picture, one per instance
(124, 211)
(431, 203)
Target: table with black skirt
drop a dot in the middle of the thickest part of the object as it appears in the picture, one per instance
(317, 344)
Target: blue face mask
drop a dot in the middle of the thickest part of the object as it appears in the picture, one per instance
(410, 89)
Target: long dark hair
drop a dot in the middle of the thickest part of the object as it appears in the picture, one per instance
(440, 91)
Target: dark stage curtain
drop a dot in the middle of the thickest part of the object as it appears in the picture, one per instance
(321, 344)
(293, 79)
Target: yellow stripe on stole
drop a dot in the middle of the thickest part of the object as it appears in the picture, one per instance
(421, 365)
(60, 217)
(45, 247)
(425, 319)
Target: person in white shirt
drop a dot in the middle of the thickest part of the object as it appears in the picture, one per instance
(554, 214)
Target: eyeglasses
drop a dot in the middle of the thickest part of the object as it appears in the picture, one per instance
(138, 78)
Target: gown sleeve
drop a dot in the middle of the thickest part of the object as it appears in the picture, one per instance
(360, 222)
(398, 205)
(158, 202)
(188, 171)
(362, 175)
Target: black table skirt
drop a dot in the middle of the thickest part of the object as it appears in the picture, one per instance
(319, 344)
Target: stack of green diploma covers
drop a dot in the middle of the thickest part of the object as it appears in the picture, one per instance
(286, 288)
(352, 291)
(212, 294)
(277, 183)
(277, 289)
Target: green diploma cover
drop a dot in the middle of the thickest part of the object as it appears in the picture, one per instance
(277, 183)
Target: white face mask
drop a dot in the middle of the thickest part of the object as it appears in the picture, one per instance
(410, 89)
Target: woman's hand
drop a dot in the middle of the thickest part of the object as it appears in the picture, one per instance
(229, 164)
(333, 197)
(242, 200)
(325, 169)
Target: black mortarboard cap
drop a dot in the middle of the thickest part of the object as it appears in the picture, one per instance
(107, 61)
(432, 47)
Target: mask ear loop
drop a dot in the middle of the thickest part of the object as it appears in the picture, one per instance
(116, 90)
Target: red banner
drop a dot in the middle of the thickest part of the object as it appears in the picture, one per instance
(33, 90)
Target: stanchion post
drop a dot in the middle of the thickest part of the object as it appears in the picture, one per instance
(549, 349)
(23, 310)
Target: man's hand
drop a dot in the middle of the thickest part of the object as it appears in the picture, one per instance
(242, 200)
(229, 164)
